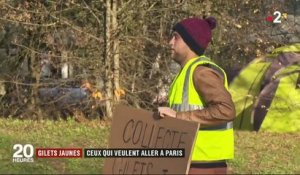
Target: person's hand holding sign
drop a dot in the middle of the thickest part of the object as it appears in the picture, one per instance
(166, 111)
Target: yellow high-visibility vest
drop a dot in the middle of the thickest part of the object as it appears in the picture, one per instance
(212, 143)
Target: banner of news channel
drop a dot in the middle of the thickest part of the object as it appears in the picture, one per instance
(27, 153)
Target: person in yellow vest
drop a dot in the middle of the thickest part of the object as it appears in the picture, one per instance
(199, 93)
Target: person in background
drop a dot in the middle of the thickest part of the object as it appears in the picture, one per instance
(199, 93)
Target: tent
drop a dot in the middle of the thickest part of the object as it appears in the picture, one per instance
(266, 92)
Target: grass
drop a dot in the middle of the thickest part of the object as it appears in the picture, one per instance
(49, 134)
(255, 153)
(266, 153)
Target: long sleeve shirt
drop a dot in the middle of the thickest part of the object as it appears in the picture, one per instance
(219, 108)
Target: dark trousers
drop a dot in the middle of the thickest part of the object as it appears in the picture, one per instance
(208, 168)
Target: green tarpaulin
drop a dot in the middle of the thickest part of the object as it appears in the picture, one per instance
(266, 92)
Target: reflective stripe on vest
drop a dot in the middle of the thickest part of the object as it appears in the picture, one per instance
(212, 143)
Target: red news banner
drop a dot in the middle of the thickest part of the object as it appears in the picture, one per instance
(58, 152)
(101, 153)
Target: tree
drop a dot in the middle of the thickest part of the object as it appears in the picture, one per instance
(121, 46)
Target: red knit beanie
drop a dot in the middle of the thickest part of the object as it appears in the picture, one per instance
(196, 32)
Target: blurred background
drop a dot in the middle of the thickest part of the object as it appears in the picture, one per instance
(80, 58)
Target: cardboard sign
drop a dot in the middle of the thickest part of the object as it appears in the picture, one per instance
(141, 129)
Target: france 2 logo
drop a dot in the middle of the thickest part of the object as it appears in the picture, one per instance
(23, 153)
